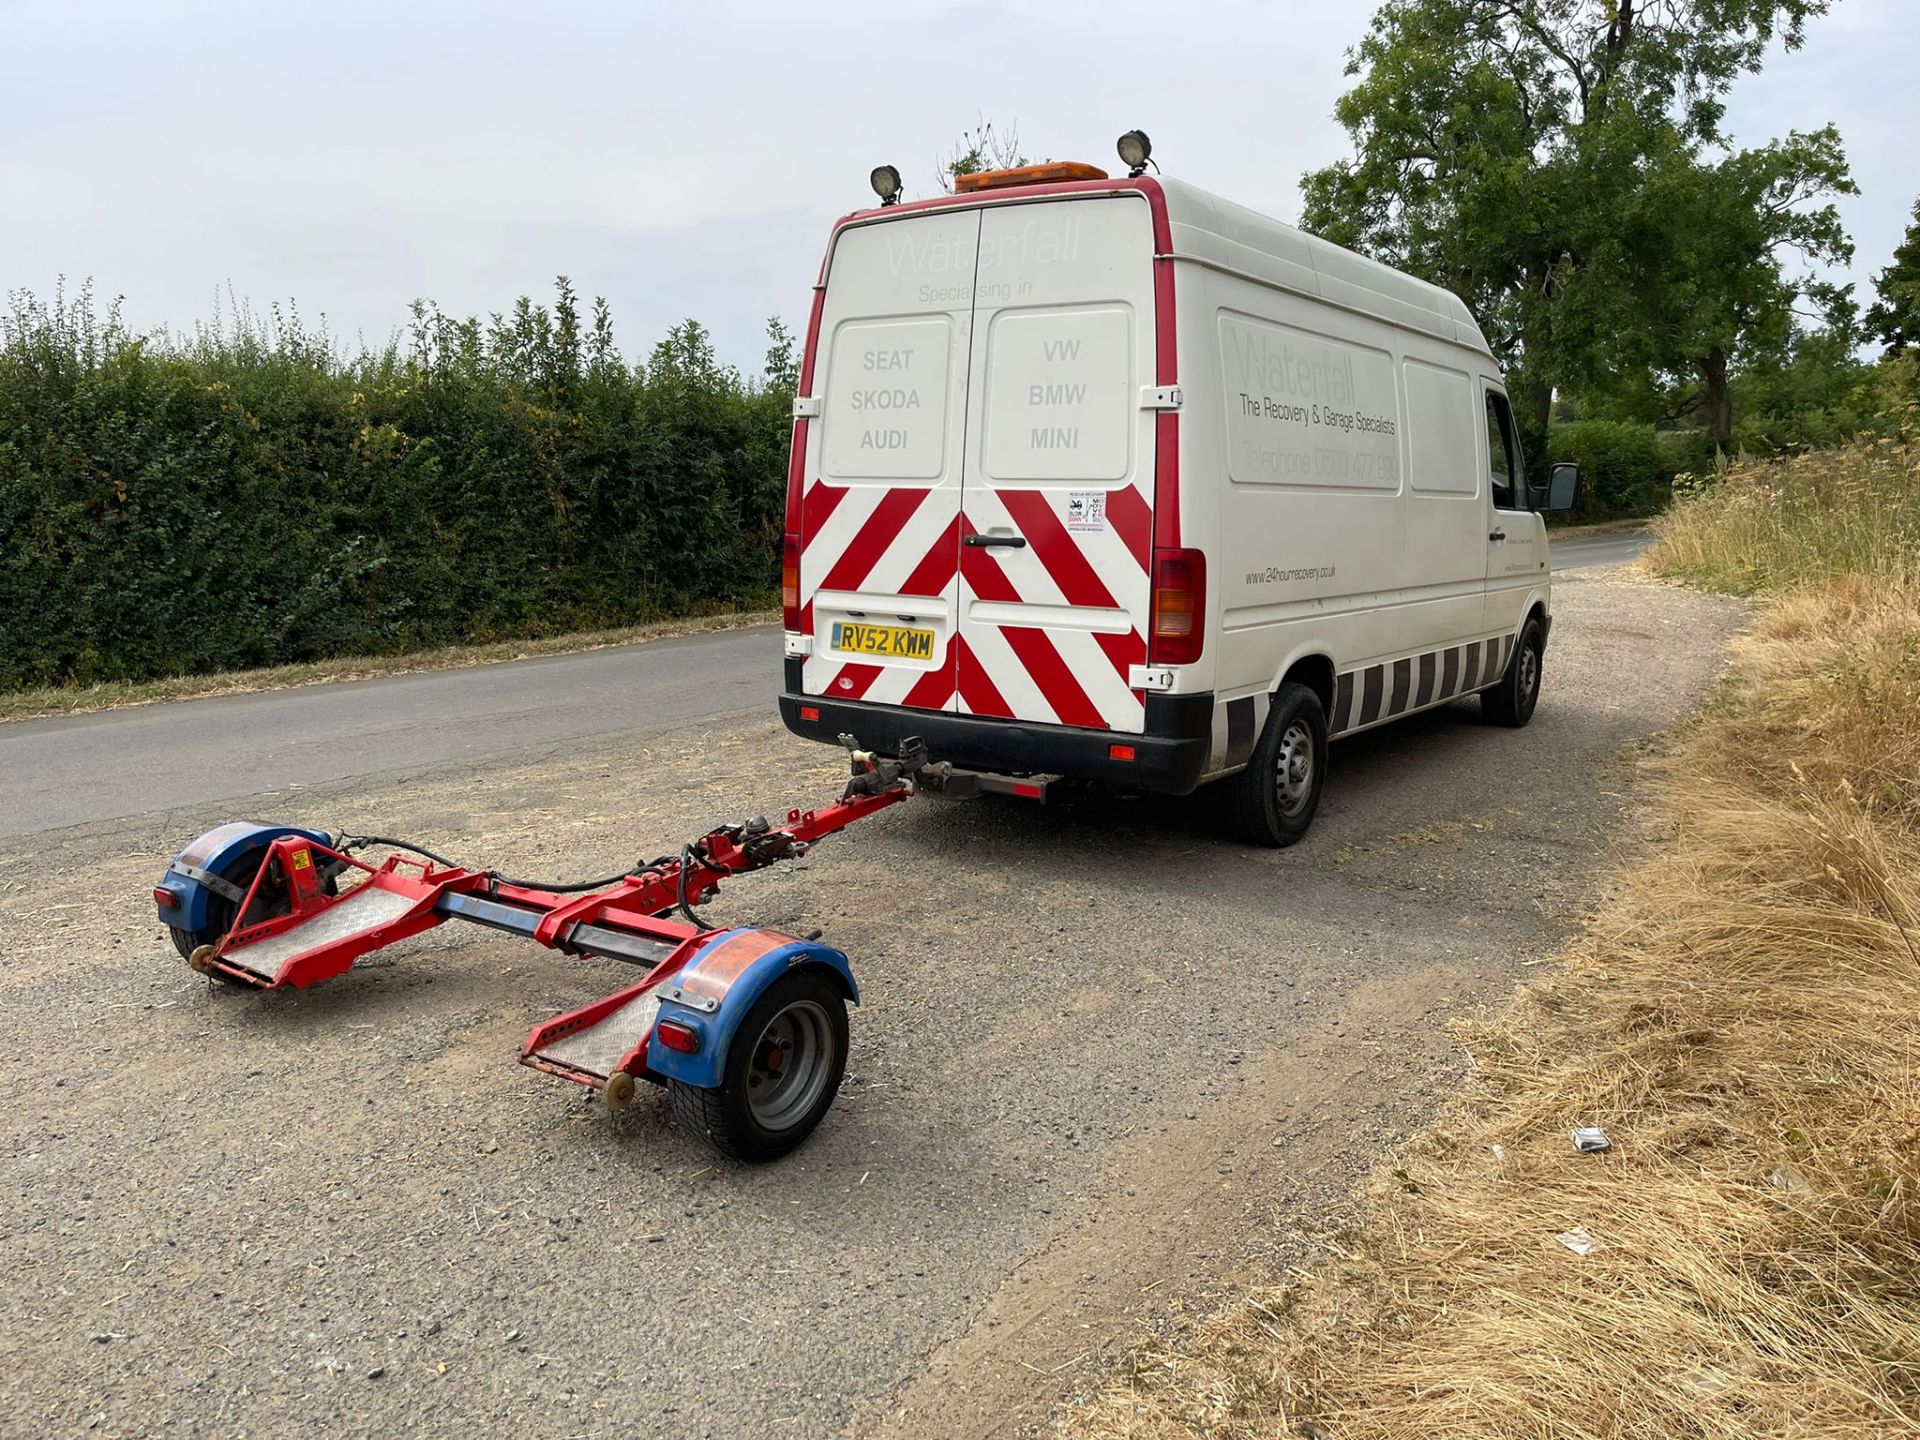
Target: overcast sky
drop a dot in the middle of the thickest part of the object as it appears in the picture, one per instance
(679, 159)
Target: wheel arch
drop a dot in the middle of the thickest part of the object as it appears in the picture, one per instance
(1312, 668)
(215, 853)
(712, 995)
(1538, 609)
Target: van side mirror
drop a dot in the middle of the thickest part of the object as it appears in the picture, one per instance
(1562, 490)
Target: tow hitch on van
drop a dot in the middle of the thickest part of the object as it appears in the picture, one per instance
(745, 1028)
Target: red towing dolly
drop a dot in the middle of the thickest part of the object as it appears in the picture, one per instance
(746, 1028)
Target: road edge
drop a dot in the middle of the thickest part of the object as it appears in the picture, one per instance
(54, 702)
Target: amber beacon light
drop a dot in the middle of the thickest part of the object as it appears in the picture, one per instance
(1054, 172)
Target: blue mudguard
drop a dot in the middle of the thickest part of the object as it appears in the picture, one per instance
(712, 995)
(210, 855)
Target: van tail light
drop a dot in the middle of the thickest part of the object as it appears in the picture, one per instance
(1179, 628)
(789, 582)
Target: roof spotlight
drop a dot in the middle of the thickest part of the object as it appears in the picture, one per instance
(1135, 150)
(886, 184)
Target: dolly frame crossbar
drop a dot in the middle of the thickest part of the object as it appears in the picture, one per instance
(624, 921)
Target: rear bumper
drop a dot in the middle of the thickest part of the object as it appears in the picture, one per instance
(1168, 756)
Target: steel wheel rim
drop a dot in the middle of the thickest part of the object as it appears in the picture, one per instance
(1293, 773)
(790, 1065)
(1529, 672)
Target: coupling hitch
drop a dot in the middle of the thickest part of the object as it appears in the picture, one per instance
(873, 774)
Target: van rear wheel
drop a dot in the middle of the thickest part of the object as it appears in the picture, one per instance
(1511, 702)
(1273, 801)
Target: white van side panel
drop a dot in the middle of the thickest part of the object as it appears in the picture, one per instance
(1352, 505)
(1351, 512)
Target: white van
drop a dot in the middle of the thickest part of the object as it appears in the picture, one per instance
(1113, 480)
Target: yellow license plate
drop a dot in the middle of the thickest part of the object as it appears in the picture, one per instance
(896, 642)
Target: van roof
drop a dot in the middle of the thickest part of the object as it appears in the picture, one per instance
(1215, 232)
(1232, 237)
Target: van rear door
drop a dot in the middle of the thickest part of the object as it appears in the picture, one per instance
(1056, 515)
(880, 506)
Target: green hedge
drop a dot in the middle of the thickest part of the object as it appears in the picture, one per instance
(249, 497)
(1626, 469)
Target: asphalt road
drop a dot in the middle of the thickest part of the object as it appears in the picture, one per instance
(1104, 1063)
(75, 770)
(1615, 548)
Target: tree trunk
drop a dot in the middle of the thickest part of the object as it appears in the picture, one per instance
(1717, 403)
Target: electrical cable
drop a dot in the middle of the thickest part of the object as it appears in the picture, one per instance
(682, 902)
(680, 890)
(579, 887)
(349, 843)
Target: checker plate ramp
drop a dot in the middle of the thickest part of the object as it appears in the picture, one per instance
(599, 1048)
(367, 908)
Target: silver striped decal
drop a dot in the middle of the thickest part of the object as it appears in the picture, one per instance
(1398, 687)
(1236, 730)
(1367, 696)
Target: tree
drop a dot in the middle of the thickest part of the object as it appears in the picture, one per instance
(1894, 319)
(978, 149)
(1813, 390)
(1506, 149)
(1713, 284)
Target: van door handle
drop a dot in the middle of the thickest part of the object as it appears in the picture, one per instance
(1010, 542)
(1496, 535)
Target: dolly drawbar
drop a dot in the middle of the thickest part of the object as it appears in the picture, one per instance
(747, 1028)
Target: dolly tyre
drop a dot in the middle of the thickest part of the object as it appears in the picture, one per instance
(1272, 802)
(781, 1073)
(1511, 702)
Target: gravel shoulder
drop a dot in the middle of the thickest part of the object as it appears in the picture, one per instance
(1107, 1062)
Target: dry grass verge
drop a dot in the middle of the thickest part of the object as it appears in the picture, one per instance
(1742, 1023)
(1851, 510)
(117, 695)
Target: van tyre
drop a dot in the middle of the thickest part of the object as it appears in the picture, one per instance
(782, 1071)
(1272, 802)
(1511, 702)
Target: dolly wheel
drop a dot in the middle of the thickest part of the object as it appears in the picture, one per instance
(781, 1072)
